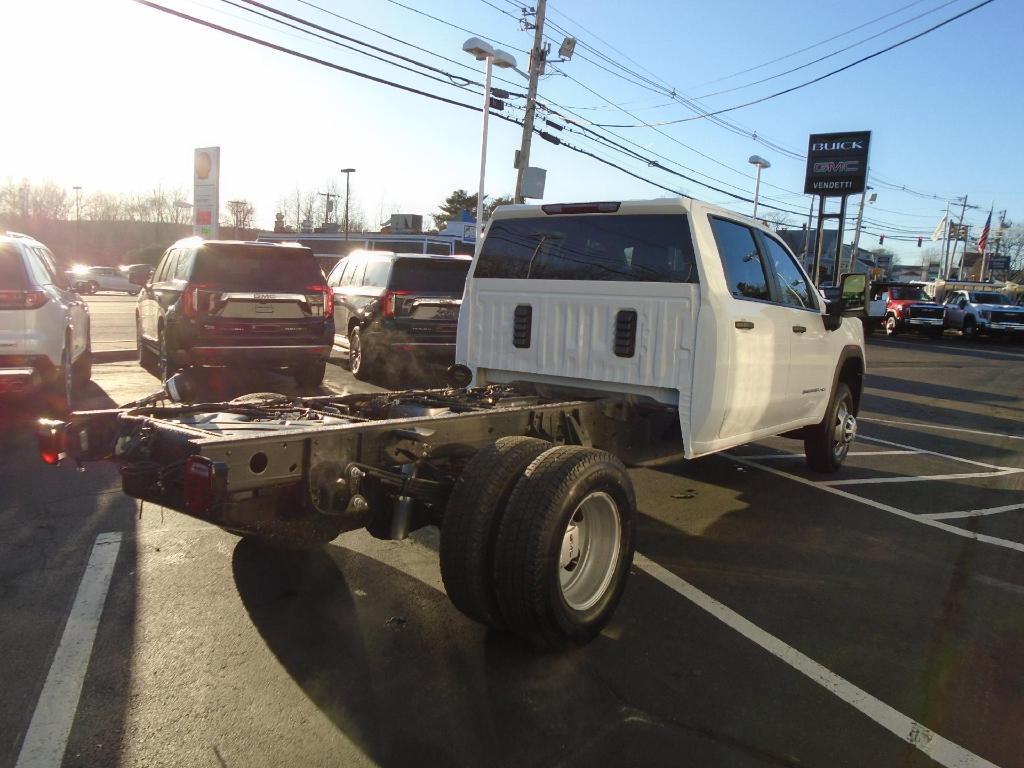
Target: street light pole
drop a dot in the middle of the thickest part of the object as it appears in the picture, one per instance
(482, 50)
(78, 217)
(348, 173)
(759, 162)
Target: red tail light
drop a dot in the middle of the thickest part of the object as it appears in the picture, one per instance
(388, 302)
(23, 299)
(52, 438)
(205, 484)
(196, 299)
(326, 297)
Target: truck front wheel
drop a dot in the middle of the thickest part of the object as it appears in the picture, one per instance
(565, 546)
(828, 442)
(471, 521)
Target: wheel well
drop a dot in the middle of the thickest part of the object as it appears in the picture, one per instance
(852, 374)
(352, 323)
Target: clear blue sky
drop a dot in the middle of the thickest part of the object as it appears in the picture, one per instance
(119, 95)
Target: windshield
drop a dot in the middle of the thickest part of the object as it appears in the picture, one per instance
(430, 275)
(632, 248)
(989, 298)
(910, 293)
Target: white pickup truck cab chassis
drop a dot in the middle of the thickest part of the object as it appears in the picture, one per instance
(591, 336)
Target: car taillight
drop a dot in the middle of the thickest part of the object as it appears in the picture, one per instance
(320, 295)
(23, 299)
(52, 436)
(205, 484)
(389, 301)
(196, 299)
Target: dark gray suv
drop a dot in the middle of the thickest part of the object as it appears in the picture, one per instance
(397, 310)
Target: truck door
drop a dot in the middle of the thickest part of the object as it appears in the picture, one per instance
(760, 331)
(810, 365)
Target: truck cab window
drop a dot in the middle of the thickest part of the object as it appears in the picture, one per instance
(744, 270)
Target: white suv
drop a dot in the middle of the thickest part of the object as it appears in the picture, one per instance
(44, 324)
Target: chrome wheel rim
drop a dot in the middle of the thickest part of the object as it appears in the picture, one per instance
(890, 326)
(590, 551)
(355, 353)
(844, 432)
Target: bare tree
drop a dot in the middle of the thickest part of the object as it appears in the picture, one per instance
(778, 220)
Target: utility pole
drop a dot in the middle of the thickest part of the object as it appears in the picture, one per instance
(78, 217)
(959, 228)
(945, 243)
(348, 173)
(537, 56)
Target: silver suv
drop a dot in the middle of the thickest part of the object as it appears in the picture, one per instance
(44, 324)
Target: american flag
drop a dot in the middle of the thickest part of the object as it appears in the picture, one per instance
(983, 240)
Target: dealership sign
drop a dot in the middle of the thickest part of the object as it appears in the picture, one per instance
(206, 192)
(837, 163)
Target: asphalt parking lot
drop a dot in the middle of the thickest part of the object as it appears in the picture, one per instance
(773, 617)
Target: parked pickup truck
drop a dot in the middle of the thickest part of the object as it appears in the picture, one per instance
(903, 307)
(990, 312)
(591, 336)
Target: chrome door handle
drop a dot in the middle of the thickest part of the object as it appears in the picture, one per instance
(744, 325)
(799, 329)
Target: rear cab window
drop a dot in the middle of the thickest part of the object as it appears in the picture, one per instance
(12, 270)
(447, 276)
(605, 247)
(266, 268)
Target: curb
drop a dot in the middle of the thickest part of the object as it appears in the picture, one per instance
(114, 356)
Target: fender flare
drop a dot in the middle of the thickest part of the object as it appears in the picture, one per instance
(847, 353)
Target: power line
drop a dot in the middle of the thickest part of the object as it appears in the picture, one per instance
(827, 55)
(818, 79)
(809, 47)
(456, 26)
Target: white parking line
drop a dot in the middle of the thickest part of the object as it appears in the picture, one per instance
(973, 512)
(919, 478)
(981, 537)
(938, 748)
(763, 456)
(936, 426)
(931, 453)
(48, 731)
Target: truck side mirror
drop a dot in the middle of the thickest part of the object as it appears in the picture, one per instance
(853, 293)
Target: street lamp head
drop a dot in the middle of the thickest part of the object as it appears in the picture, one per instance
(347, 170)
(759, 161)
(504, 59)
(480, 49)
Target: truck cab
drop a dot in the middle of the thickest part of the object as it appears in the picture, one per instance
(989, 312)
(669, 301)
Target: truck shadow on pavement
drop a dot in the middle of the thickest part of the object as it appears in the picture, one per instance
(412, 683)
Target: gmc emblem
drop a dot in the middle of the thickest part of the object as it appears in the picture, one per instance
(837, 166)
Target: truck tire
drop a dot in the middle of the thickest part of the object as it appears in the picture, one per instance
(828, 442)
(890, 325)
(969, 330)
(565, 546)
(471, 521)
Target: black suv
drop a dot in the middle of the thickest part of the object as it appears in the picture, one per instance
(395, 309)
(227, 302)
